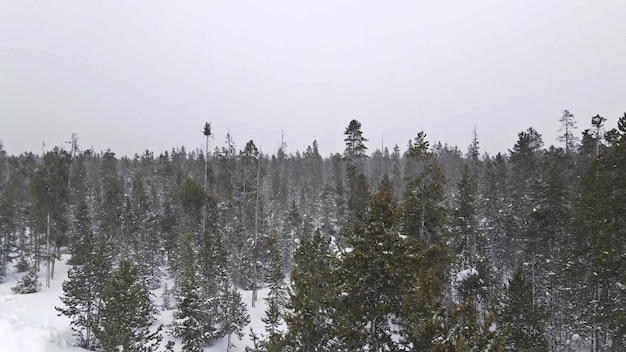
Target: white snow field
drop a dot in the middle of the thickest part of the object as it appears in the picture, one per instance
(29, 323)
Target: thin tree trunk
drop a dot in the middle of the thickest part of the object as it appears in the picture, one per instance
(256, 231)
(57, 254)
(48, 252)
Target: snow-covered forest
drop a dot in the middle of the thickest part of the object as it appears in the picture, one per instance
(422, 247)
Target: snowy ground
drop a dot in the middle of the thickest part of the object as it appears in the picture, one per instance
(29, 323)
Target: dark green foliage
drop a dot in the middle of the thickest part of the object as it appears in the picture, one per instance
(355, 142)
(424, 213)
(127, 313)
(522, 323)
(276, 300)
(470, 243)
(374, 274)
(112, 201)
(49, 212)
(568, 125)
(428, 253)
(8, 230)
(308, 318)
(214, 275)
(234, 313)
(192, 198)
(462, 331)
(191, 317)
(84, 288)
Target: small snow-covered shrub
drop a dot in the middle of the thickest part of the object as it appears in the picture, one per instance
(29, 283)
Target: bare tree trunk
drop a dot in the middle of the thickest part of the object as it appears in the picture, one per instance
(256, 231)
(48, 252)
(57, 254)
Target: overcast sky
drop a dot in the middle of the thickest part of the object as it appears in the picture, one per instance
(147, 74)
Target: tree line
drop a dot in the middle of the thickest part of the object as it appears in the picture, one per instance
(424, 248)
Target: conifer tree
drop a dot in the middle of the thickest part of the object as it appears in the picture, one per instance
(568, 125)
(423, 211)
(354, 154)
(28, 283)
(234, 313)
(189, 317)
(8, 230)
(81, 230)
(371, 278)
(84, 288)
(598, 291)
(464, 331)
(127, 313)
(112, 199)
(311, 296)
(276, 300)
(521, 322)
(473, 266)
(50, 197)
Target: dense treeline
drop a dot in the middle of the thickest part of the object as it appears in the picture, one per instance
(423, 248)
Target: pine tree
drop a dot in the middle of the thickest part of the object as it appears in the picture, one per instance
(522, 323)
(84, 288)
(213, 272)
(497, 217)
(189, 317)
(112, 200)
(600, 231)
(371, 278)
(463, 331)
(470, 243)
(311, 295)
(28, 283)
(354, 154)
(569, 125)
(8, 230)
(422, 316)
(81, 230)
(276, 300)
(424, 212)
(235, 315)
(355, 142)
(192, 199)
(49, 212)
(127, 313)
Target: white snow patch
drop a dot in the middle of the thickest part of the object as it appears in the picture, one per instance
(464, 274)
(29, 323)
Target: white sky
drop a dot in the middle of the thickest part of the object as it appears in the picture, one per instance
(147, 74)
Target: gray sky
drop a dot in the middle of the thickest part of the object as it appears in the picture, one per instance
(147, 74)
